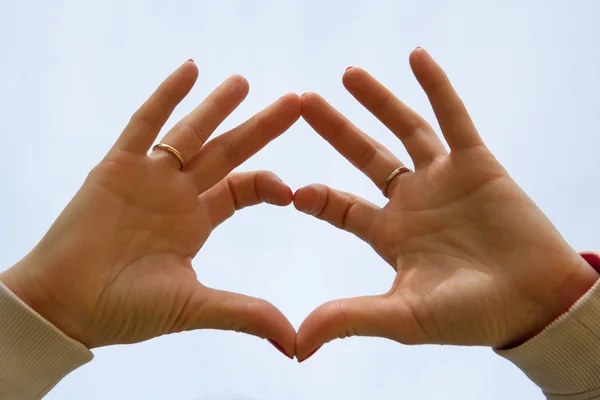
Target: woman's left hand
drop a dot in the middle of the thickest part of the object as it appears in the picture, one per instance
(477, 262)
(116, 266)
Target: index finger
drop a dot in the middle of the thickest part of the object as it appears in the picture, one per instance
(224, 153)
(148, 120)
(452, 115)
(364, 152)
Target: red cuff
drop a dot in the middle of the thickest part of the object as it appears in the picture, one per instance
(593, 259)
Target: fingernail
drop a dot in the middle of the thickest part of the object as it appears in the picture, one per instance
(349, 67)
(278, 347)
(310, 354)
(302, 95)
(190, 60)
(419, 48)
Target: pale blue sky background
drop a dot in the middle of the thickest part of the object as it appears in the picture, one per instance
(72, 73)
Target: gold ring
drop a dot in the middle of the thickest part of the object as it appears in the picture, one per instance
(171, 150)
(395, 173)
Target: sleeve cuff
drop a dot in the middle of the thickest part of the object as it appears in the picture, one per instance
(34, 354)
(564, 359)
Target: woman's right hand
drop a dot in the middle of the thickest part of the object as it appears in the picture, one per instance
(477, 262)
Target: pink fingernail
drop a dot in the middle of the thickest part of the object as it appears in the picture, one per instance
(310, 354)
(349, 67)
(190, 60)
(278, 347)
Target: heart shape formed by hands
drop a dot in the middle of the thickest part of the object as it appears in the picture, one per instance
(472, 252)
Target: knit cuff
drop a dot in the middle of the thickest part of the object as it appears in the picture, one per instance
(564, 359)
(34, 354)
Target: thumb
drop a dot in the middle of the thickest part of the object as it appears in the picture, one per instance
(358, 316)
(217, 309)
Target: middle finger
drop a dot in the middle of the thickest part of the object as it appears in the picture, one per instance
(419, 139)
(189, 135)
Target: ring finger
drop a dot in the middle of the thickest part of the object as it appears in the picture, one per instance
(189, 135)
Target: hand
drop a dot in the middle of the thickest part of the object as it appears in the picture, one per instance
(477, 262)
(116, 266)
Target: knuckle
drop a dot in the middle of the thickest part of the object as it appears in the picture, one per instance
(250, 316)
(383, 105)
(234, 198)
(231, 153)
(142, 120)
(183, 320)
(338, 131)
(322, 202)
(347, 210)
(257, 187)
(260, 130)
(337, 312)
(194, 130)
(366, 156)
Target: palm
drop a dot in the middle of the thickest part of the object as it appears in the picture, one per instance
(154, 219)
(471, 250)
(455, 235)
(431, 209)
(116, 267)
(153, 208)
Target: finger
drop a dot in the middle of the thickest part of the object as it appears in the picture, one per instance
(216, 309)
(359, 316)
(343, 210)
(190, 134)
(147, 122)
(419, 139)
(364, 152)
(454, 120)
(224, 153)
(245, 189)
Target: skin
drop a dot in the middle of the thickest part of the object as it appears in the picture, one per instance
(116, 266)
(477, 262)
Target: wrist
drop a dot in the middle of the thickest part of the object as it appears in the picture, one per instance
(35, 354)
(585, 274)
(24, 282)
